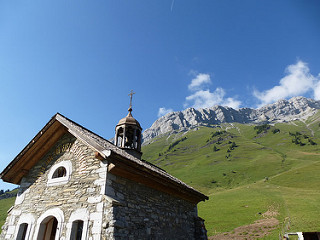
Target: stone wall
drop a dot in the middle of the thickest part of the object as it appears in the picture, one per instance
(144, 213)
(80, 197)
(110, 206)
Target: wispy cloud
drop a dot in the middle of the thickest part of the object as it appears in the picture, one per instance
(298, 81)
(202, 97)
(163, 111)
(199, 82)
(172, 3)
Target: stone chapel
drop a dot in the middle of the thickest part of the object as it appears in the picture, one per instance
(76, 185)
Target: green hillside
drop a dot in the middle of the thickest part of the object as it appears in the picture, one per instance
(249, 172)
(5, 205)
(267, 173)
(6, 202)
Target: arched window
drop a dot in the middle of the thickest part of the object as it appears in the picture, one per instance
(59, 173)
(25, 227)
(22, 233)
(119, 137)
(77, 229)
(130, 134)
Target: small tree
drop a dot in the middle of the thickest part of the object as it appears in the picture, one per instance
(312, 142)
(276, 130)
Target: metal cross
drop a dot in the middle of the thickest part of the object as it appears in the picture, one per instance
(130, 94)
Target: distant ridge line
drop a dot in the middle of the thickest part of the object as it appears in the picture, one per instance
(296, 108)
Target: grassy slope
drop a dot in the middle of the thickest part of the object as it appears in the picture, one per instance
(5, 204)
(264, 170)
(237, 184)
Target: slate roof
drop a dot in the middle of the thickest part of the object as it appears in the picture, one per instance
(101, 145)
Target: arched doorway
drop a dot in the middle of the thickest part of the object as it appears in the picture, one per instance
(49, 225)
(48, 229)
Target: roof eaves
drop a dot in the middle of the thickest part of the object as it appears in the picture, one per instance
(29, 145)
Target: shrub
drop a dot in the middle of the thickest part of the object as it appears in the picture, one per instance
(312, 142)
(276, 130)
(172, 145)
(262, 128)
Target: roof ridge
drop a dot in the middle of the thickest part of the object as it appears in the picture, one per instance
(79, 125)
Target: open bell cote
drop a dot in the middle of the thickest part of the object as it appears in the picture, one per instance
(128, 134)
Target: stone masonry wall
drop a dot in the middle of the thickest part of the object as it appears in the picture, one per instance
(145, 213)
(111, 207)
(78, 198)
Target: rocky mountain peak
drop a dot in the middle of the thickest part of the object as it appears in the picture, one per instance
(281, 111)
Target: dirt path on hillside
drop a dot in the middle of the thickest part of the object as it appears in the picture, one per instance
(253, 231)
(310, 153)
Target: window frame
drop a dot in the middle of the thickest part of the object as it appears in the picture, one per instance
(22, 231)
(54, 181)
(81, 214)
(53, 212)
(75, 229)
(59, 171)
(25, 219)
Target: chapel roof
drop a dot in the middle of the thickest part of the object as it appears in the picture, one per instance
(129, 120)
(123, 162)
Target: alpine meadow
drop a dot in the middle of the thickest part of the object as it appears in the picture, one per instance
(262, 179)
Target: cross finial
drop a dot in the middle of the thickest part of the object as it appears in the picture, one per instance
(131, 94)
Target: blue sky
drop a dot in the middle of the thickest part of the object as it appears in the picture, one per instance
(82, 58)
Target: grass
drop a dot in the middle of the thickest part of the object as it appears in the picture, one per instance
(5, 205)
(229, 209)
(265, 169)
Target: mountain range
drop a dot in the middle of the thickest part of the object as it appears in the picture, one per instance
(282, 111)
(256, 165)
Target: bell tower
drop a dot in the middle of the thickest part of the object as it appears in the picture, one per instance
(128, 133)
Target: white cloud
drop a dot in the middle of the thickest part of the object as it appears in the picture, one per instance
(199, 82)
(163, 111)
(204, 98)
(230, 102)
(298, 81)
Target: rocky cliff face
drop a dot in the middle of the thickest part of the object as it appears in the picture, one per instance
(281, 111)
